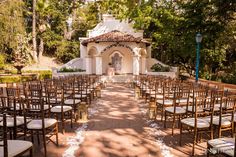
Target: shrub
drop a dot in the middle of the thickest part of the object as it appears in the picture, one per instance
(160, 68)
(2, 61)
(67, 50)
(230, 78)
(15, 78)
(70, 70)
(39, 75)
(42, 74)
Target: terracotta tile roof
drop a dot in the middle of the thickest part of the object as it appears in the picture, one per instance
(114, 36)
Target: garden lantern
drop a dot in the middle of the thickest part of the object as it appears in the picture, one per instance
(137, 92)
(83, 112)
(152, 111)
(98, 91)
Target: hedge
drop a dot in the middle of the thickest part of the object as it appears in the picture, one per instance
(39, 75)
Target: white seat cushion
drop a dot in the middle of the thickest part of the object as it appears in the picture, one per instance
(57, 109)
(166, 102)
(72, 101)
(80, 96)
(182, 100)
(37, 123)
(201, 123)
(15, 147)
(225, 121)
(224, 145)
(152, 92)
(53, 100)
(10, 121)
(179, 110)
(84, 92)
(160, 96)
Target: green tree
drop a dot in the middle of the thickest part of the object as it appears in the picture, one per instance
(11, 24)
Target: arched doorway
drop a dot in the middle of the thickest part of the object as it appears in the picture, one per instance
(119, 56)
(92, 53)
(116, 61)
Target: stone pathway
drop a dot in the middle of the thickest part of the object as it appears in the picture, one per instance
(117, 129)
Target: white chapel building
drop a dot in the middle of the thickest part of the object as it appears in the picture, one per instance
(114, 43)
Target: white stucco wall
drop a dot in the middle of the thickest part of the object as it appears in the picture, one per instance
(77, 63)
(109, 24)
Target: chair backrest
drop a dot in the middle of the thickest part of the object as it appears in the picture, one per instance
(3, 135)
(203, 106)
(2, 100)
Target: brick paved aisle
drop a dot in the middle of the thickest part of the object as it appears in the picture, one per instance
(117, 128)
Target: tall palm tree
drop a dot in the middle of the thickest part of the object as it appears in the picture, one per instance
(34, 32)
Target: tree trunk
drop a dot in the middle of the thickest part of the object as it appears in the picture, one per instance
(34, 32)
(41, 49)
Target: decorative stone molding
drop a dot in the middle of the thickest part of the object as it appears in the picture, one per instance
(117, 45)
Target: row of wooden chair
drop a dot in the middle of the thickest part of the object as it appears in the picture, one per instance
(197, 108)
(36, 107)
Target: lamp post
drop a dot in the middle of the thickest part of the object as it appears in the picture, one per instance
(198, 40)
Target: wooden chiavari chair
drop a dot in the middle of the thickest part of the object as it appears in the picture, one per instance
(198, 124)
(178, 110)
(11, 148)
(38, 124)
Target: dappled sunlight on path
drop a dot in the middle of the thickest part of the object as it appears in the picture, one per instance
(118, 128)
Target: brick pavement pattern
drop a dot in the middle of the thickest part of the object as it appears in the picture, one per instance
(117, 129)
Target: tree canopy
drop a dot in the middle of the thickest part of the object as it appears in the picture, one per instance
(171, 24)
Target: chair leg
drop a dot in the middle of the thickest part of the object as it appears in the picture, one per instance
(44, 144)
(56, 132)
(194, 142)
(71, 120)
(173, 125)
(31, 152)
(62, 123)
(38, 138)
(208, 150)
(212, 133)
(162, 112)
(165, 119)
(219, 132)
(180, 134)
(32, 136)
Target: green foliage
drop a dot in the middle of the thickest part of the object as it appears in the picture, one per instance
(47, 74)
(67, 51)
(70, 70)
(172, 26)
(21, 56)
(27, 75)
(231, 78)
(16, 78)
(11, 24)
(2, 61)
(160, 68)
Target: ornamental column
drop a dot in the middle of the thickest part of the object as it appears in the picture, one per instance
(135, 65)
(88, 65)
(144, 65)
(98, 65)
